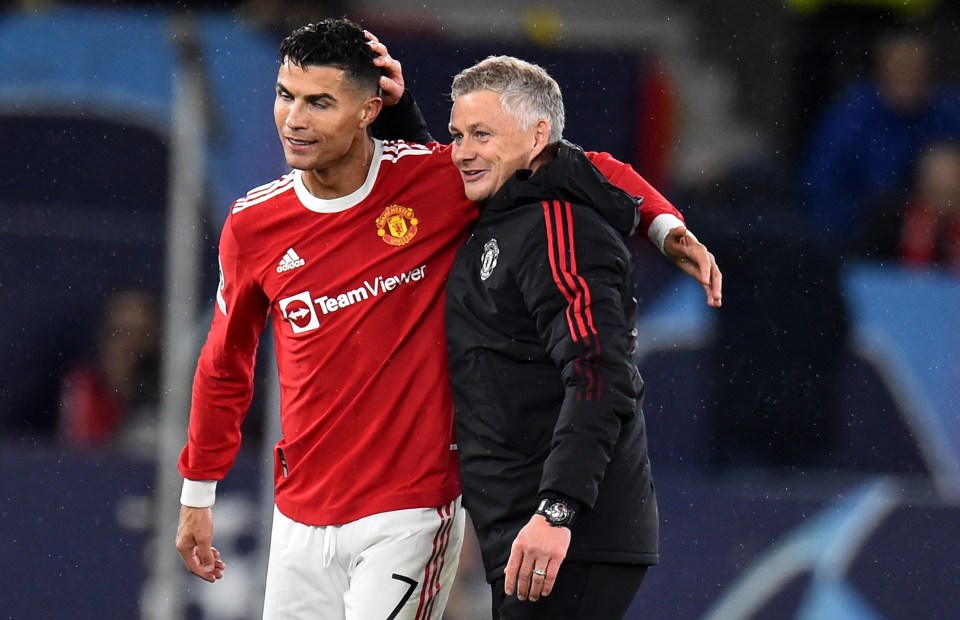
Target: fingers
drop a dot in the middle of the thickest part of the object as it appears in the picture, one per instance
(391, 82)
(535, 559)
(706, 264)
(512, 572)
(539, 580)
(382, 55)
(204, 557)
(194, 535)
(714, 287)
(205, 563)
(216, 569)
(696, 260)
(710, 276)
(529, 577)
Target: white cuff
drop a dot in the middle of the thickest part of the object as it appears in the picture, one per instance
(198, 493)
(661, 227)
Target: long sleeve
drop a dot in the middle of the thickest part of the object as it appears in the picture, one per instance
(223, 382)
(573, 277)
(657, 214)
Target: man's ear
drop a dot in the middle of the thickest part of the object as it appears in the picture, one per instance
(370, 110)
(541, 138)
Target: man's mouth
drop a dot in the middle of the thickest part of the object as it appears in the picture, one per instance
(297, 143)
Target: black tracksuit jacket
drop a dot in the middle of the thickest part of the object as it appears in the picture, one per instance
(540, 332)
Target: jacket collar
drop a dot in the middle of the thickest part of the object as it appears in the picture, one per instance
(569, 176)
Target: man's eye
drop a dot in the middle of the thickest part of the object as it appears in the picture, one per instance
(457, 138)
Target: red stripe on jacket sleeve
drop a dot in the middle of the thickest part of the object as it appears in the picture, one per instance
(558, 216)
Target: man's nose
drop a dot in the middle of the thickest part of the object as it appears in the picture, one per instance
(463, 151)
(295, 115)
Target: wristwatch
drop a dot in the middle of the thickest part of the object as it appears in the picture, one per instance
(556, 511)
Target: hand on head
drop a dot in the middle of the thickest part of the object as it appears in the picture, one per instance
(391, 83)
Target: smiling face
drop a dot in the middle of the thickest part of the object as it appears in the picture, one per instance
(321, 118)
(489, 145)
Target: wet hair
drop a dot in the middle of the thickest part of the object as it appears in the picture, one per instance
(527, 92)
(337, 43)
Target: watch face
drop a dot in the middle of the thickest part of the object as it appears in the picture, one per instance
(557, 512)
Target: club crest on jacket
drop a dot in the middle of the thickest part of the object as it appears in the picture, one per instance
(491, 251)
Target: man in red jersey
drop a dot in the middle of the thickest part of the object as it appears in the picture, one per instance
(348, 254)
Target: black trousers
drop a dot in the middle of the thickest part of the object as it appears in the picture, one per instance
(583, 591)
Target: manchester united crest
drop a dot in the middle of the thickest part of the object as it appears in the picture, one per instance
(397, 225)
(488, 260)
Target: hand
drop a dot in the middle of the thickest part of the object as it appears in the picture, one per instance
(391, 82)
(539, 546)
(696, 261)
(194, 537)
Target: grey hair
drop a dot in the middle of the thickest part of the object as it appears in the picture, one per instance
(527, 92)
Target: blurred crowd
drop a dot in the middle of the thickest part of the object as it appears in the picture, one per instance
(874, 178)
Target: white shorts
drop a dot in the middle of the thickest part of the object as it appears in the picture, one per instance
(391, 566)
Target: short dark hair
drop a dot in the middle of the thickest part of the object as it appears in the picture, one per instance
(337, 43)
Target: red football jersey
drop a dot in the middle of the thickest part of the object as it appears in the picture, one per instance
(355, 287)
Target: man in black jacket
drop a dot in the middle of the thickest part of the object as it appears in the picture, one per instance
(540, 333)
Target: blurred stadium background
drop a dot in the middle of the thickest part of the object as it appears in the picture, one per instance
(127, 128)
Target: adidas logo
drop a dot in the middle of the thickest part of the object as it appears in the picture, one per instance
(290, 261)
